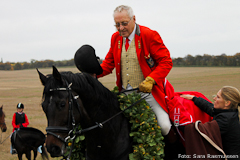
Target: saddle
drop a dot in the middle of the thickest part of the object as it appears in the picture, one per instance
(13, 137)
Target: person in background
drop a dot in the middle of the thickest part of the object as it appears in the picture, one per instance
(19, 120)
(225, 111)
(141, 60)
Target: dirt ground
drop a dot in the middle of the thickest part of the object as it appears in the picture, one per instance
(24, 86)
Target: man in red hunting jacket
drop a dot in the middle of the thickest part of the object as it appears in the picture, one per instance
(140, 57)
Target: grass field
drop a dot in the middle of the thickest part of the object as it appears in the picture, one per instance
(24, 86)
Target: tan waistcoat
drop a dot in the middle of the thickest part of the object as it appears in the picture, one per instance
(130, 68)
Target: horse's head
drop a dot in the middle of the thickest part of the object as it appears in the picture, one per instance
(2, 120)
(70, 99)
(62, 107)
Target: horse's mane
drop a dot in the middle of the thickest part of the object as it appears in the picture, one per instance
(1, 112)
(31, 129)
(85, 84)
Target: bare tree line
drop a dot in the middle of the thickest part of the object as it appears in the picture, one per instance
(208, 61)
(189, 60)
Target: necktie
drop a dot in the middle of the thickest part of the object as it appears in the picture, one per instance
(127, 44)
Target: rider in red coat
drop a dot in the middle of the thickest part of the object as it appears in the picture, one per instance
(19, 120)
(140, 59)
(152, 56)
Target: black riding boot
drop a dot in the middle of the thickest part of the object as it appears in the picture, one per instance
(13, 150)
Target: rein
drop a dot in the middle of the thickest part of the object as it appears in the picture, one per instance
(129, 90)
(1, 141)
(4, 139)
(100, 125)
(71, 127)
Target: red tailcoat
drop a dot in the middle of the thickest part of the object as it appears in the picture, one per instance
(148, 44)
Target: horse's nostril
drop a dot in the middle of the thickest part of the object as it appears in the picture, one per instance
(4, 130)
(55, 151)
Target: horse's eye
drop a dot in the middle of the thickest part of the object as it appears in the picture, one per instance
(62, 104)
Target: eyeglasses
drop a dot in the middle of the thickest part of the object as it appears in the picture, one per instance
(122, 23)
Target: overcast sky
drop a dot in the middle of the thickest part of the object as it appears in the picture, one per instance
(55, 29)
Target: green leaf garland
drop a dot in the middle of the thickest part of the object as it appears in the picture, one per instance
(147, 137)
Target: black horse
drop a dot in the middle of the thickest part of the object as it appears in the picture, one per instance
(79, 98)
(2, 120)
(29, 139)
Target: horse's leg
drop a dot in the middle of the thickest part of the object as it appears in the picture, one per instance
(28, 155)
(20, 156)
(35, 154)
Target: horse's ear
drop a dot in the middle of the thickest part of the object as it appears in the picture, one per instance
(42, 77)
(1, 107)
(56, 74)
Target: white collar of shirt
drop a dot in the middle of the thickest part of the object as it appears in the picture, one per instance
(131, 35)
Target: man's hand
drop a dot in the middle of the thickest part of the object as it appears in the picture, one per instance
(147, 85)
(187, 96)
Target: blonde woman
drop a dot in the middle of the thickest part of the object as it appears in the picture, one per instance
(225, 111)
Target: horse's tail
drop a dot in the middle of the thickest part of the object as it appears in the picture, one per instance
(44, 153)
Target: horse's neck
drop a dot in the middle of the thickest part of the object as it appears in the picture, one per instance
(113, 139)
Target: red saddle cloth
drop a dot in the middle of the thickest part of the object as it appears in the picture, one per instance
(182, 111)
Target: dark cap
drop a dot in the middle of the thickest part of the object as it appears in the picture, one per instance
(20, 105)
(86, 60)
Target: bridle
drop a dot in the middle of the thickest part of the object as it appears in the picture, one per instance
(71, 120)
(3, 123)
(1, 141)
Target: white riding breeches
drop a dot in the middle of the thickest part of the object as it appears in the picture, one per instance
(161, 114)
